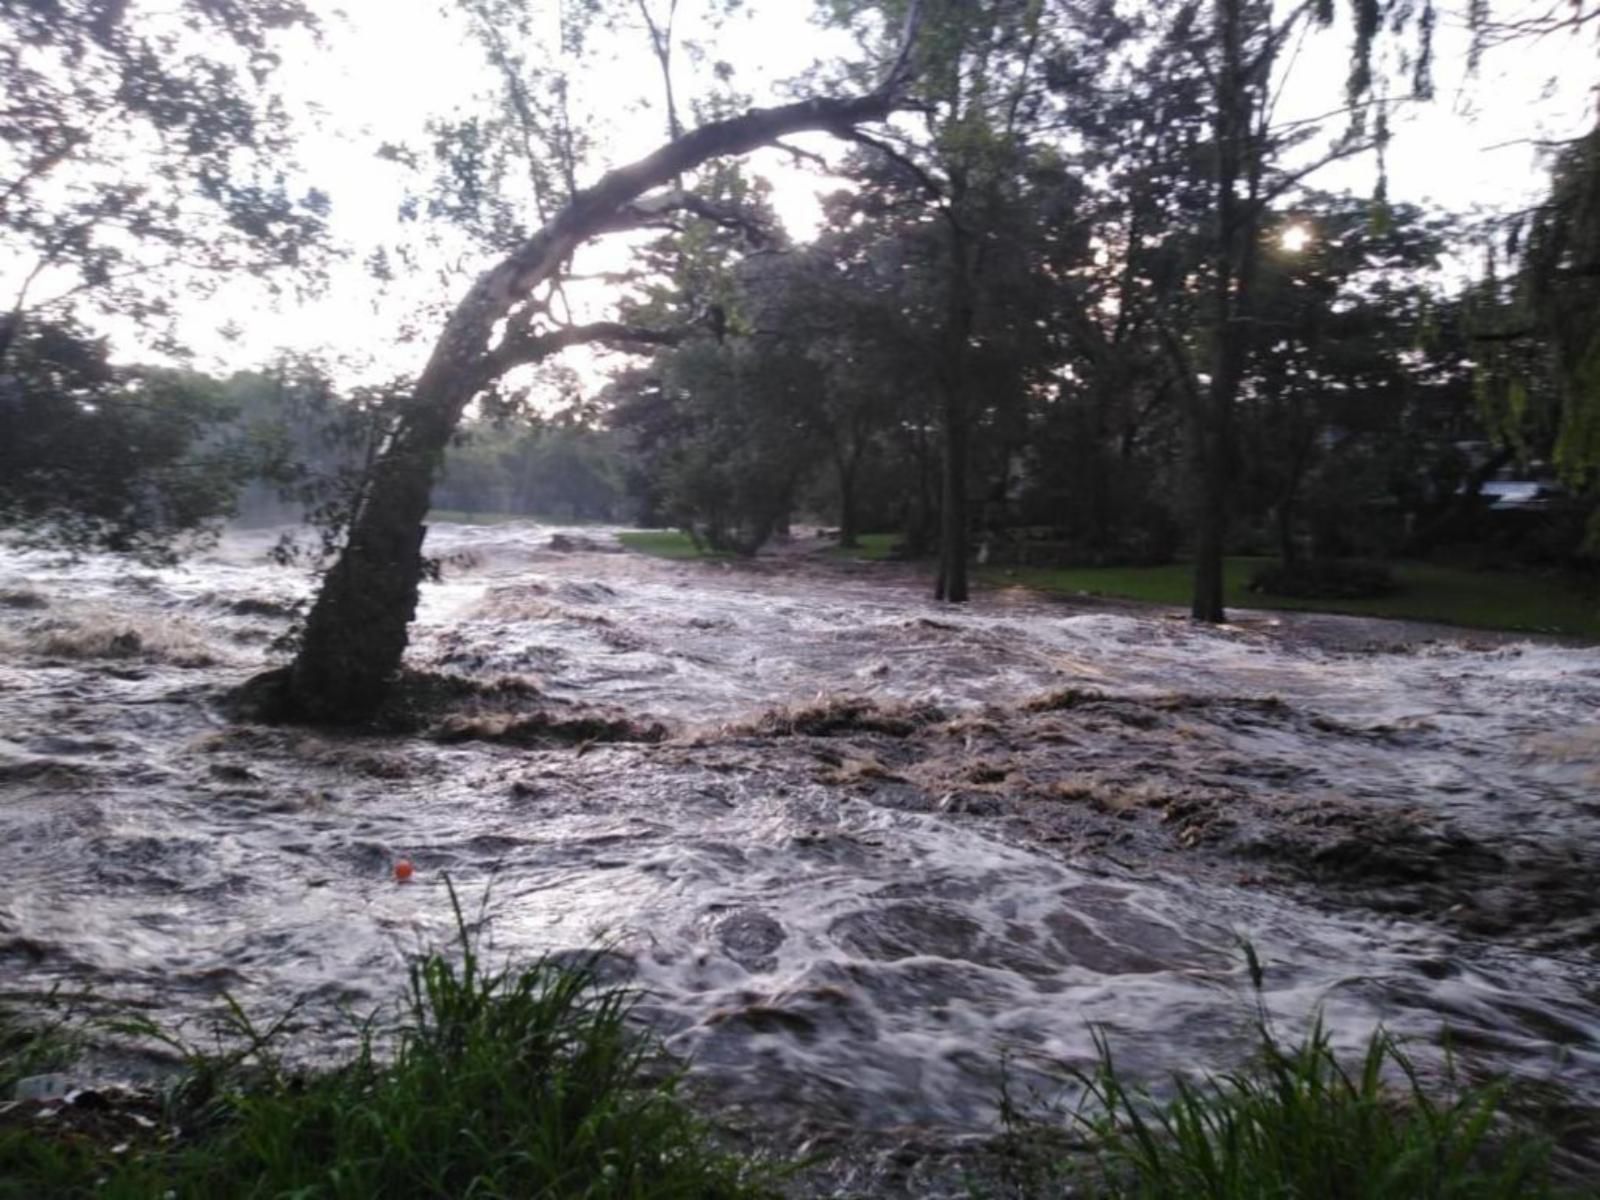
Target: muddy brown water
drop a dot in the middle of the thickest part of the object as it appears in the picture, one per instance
(1069, 823)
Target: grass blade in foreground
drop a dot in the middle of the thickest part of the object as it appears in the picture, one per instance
(1294, 1124)
(510, 1083)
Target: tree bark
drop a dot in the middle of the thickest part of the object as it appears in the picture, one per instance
(919, 518)
(1288, 552)
(1237, 162)
(951, 584)
(355, 634)
(1211, 532)
(846, 465)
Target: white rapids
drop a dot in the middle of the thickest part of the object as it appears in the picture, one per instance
(817, 954)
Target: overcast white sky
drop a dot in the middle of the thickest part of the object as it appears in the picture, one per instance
(387, 65)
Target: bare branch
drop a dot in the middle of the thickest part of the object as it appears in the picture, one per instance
(925, 181)
(902, 68)
(651, 210)
(801, 155)
(1342, 150)
(523, 349)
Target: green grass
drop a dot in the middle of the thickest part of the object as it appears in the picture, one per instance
(1298, 1123)
(875, 546)
(503, 1083)
(36, 1046)
(1477, 599)
(665, 543)
(1294, 1123)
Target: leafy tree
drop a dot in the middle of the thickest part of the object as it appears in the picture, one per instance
(143, 151)
(356, 632)
(1237, 46)
(835, 315)
(979, 92)
(558, 467)
(733, 483)
(128, 459)
(1561, 291)
(1352, 365)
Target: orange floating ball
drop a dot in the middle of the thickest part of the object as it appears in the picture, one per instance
(403, 869)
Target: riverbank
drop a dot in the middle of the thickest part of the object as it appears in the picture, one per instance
(1546, 603)
(533, 1080)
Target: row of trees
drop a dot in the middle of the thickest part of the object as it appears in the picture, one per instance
(827, 399)
(1066, 277)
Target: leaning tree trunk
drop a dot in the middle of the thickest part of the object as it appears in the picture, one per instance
(355, 635)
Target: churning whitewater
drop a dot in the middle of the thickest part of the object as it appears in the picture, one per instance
(854, 848)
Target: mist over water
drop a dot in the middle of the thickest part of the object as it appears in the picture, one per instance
(844, 925)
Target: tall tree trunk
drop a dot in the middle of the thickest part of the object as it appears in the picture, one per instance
(1237, 162)
(1288, 551)
(1211, 530)
(921, 523)
(951, 584)
(952, 581)
(849, 534)
(10, 327)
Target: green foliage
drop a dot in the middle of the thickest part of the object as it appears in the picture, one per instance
(721, 434)
(1538, 326)
(1526, 601)
(501, 1083)
(1294, 1121)
(559, 469)
(33, 1044)
(143, 151)
(1563, 294)
(130, 460)
(1298, 1122)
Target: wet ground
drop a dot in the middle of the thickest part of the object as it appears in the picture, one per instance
(855, 846)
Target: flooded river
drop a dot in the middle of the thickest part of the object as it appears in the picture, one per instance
(874, 845)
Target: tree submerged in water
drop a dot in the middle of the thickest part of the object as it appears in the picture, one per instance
(356, 631)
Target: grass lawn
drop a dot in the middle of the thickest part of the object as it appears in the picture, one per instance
(873, 546)
(665, 543)
(1478, 599)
